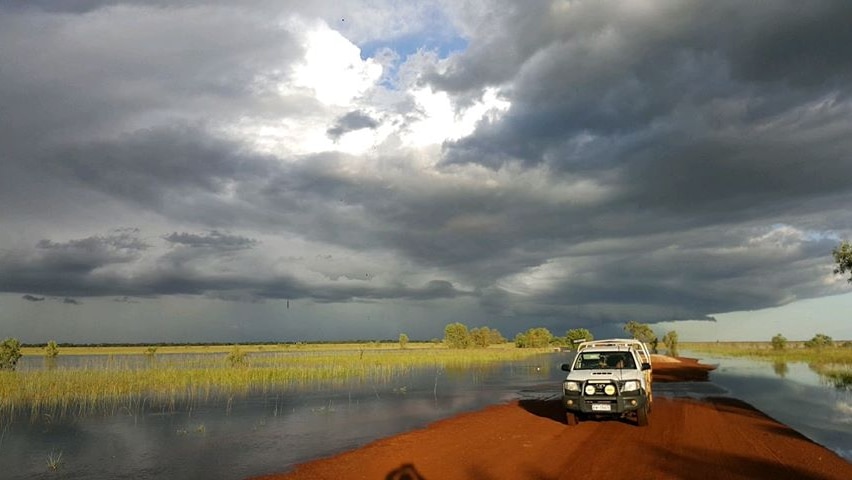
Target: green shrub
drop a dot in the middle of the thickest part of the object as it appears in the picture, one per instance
(779, 342)
(237, 357)
(10, 352)
(820, 340)
(51, 350)
(456, 335)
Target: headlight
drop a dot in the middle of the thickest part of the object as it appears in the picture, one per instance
(590, 389)
(630, 386)
(609, 390)
(571, 386)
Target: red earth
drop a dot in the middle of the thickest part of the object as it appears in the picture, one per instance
(715, 438)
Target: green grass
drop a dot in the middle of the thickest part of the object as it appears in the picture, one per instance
(794, 352)
(169, 380)
(834, 364)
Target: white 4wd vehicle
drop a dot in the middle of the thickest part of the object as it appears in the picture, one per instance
(607, 378)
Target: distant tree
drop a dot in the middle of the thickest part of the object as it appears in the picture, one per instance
(641, 332)
(10, 352)
(779, 342)
(236, 357)
(403, 340)
(495, 337)
(670, 341)
(479, 337)
(655, 344)
(538, 337)
(820, 340)
(484, 336)
(843, 258)
(577, 334)
(51, 350)
(456, 335)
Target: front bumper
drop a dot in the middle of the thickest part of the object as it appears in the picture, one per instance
(617, 404)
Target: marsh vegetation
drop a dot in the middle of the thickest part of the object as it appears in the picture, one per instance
(831, 360)
(131, 379)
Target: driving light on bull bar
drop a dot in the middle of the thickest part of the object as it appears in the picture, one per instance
(609, 389)
(590, 389)
(630, 386)
(571, 386)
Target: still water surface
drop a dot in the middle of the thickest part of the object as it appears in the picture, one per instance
(236, 438)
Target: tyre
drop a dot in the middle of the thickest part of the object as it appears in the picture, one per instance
(642, 416)
(571, 418)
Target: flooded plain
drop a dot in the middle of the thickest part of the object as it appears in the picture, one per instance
(236, 437)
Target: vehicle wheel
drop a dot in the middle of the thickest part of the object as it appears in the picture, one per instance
(642, 416)
(571, 418)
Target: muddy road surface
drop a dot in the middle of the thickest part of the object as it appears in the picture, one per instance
(714, 438)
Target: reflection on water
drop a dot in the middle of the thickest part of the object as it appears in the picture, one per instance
(796, 394)
(230, 437)
(234, 437)
(836, 375)
(780, 368)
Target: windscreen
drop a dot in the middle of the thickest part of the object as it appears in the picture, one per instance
(604, 361)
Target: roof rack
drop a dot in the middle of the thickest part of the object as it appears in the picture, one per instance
(630, 343)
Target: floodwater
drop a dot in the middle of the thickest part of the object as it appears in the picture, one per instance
(791, 393)
(239, 437)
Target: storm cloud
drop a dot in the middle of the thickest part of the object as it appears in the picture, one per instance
(560, 164)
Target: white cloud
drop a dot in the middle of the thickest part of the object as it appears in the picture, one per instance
(333, 69)
(441, 121)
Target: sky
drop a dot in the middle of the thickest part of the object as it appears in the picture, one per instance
(217, 171)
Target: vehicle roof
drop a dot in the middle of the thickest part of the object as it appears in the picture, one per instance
(611, 342)
(607, 348)
(608, 343)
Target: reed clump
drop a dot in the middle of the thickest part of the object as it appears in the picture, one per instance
(167, 381)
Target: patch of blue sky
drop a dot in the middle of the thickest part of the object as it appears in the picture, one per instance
(410, 45)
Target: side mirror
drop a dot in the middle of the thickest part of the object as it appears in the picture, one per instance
(565, 367)
(646, 366)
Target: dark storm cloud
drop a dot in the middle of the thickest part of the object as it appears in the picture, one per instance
(659, 160)
(116, 69)
(352, 121)
(112, 265)
(693, 116)
(163, 169)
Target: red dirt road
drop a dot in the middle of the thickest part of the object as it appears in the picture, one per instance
(719, 438)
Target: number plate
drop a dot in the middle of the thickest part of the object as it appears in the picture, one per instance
(601, 407)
